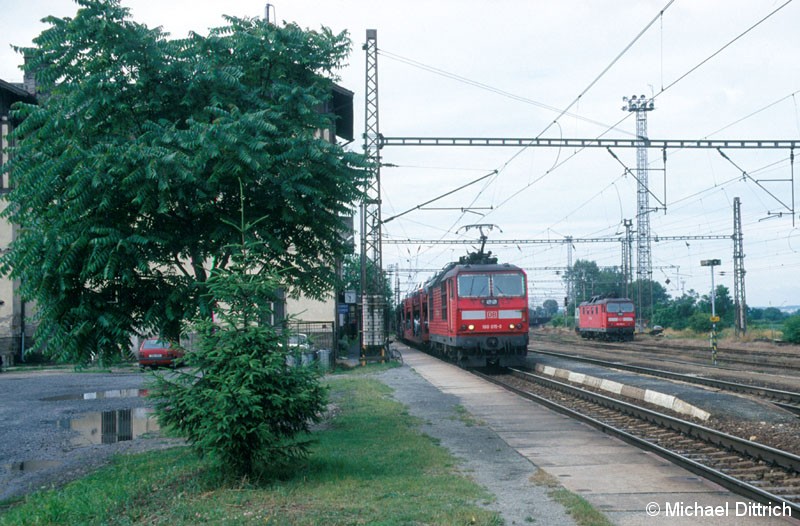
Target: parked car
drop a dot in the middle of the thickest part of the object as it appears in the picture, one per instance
(155, 352)
(299, 342)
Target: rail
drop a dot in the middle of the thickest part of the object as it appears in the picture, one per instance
(785, 460)
(791, 400)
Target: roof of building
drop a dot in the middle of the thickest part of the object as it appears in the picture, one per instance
(11, 93)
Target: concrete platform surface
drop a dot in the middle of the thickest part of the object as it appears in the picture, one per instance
(631, 487)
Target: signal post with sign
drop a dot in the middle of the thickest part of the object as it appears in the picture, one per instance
(714, 318)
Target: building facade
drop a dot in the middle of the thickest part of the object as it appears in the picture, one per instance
(15, 327)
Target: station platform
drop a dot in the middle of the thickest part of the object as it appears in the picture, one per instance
(630, 486)
(686, 399)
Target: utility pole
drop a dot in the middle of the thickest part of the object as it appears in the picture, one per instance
(571, 289)
(644, 259)
(740, 304)
(373, 333)
(627, 271)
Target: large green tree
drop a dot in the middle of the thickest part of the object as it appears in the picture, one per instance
(137, 148)
(589, 280)
(724, 306)
(550, 307)
(676, 313)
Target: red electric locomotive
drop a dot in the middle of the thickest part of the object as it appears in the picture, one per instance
(476, 313)
(607, 319)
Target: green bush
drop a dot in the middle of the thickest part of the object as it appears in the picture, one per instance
(791, 329)
(237, 402)
(700, 322)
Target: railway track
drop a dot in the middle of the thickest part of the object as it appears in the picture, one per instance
(755, 471)
(786, 399)
(736, 358)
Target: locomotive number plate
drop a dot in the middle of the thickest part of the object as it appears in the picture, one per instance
(491, 326)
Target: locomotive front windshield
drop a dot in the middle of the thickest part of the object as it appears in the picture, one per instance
(505, 285)
(485, 285)
(473, 285)
(622, 308)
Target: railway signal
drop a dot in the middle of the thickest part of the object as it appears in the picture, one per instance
(714, 318)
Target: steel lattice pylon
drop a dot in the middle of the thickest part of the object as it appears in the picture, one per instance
(372, 303)
(644, 259)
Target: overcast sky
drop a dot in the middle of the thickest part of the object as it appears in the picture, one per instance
(508, 69)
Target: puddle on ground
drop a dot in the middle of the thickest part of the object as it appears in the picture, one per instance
(99, 395)
(33, 465)
(109, 427)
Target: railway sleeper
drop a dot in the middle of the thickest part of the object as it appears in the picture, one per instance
(793, 482)
(664, 434)
(706, 450)
(786, 492)
(730, 460)
(760, 469)
(637, 427)
(753, 478)
(687, 443)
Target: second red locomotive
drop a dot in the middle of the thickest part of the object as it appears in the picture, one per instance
(607, 319)
(474, 313)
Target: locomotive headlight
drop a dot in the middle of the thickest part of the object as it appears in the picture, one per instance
(512, 326)
(463, 327)
(471, 327)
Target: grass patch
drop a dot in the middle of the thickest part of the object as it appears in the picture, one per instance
(369, 466)
(466, 418)
(578, 508)
(361, 370)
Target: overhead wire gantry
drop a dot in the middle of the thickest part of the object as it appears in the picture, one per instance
(373, 307)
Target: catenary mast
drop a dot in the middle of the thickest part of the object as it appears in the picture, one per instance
(740, 304)
(372, 301)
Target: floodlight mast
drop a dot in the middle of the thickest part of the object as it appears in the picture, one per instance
(644, 260)
(274, 18)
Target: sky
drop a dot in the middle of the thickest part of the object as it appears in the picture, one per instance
(716, 69)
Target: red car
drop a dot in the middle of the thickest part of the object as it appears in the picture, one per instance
(155, 352)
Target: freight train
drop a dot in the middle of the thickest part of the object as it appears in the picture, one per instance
(606, 319)
(473, 312)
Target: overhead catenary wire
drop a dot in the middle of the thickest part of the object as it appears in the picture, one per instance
(664, 89)
(492, 89)
(720, 50)
(493, 172)
(720, 186)
(561, 113)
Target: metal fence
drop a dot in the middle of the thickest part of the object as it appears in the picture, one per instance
(320, 333)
